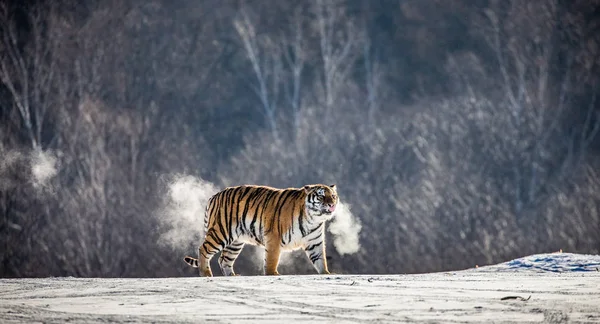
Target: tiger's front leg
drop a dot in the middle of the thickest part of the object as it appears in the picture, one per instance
(272, 254)
(316, 254)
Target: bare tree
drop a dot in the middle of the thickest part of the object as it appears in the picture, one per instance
(27, 69)
(294, 54)
(267, 66)
(538, 96)
(373, 79)
(339, 41)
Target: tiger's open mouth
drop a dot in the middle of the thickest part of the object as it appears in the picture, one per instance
(328, 209)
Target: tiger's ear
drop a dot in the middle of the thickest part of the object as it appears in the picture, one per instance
(333, 187)
(307, 189)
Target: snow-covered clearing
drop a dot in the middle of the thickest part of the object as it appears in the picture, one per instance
(475, 295)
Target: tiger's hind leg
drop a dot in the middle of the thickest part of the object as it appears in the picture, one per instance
(211, 246)
(228, 256)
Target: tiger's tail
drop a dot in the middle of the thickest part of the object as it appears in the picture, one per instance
(191, 261)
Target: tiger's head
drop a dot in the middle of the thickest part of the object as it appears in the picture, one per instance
(321, 200)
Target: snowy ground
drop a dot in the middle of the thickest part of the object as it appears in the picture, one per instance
(562, 288)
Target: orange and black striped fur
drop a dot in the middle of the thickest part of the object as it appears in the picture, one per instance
(277, 219)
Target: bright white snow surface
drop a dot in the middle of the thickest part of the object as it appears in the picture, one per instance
(508, 292)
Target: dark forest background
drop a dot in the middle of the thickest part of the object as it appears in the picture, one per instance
(461, 132)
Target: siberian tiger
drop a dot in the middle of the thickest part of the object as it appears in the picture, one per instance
(276, 219)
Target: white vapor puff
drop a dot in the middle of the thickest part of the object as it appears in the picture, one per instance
(44, 166)
(345, 229)
(41, 166)
(182, 213)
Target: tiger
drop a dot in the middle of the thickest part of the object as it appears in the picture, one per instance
(276, 219)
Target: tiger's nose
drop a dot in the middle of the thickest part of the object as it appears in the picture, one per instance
(331, 207)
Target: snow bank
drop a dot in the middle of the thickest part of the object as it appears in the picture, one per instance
(551, 262)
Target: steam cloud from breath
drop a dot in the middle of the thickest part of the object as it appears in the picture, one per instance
(42, 167)
(182, 213)
(345, 228)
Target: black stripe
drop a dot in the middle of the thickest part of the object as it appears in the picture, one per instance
(237, 214)
(231, 204)
(209, 243)
(293, 228)
(298, 194)
(315, 257)
(312, 246)
(265, 204)
(212, 204)
(209, 214)
(215, 236)
(260, 196)
(225, 209)
(275, 213)
(231, 217)
(314, 230)
(301, 222)
(222, 232)
(289, 194)
(218, 204)
(241, 221)
(247, 204)
(254, 203)
(237, 211)
(255, 214)
(228, 258)
(235, 248)
(218, 219)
